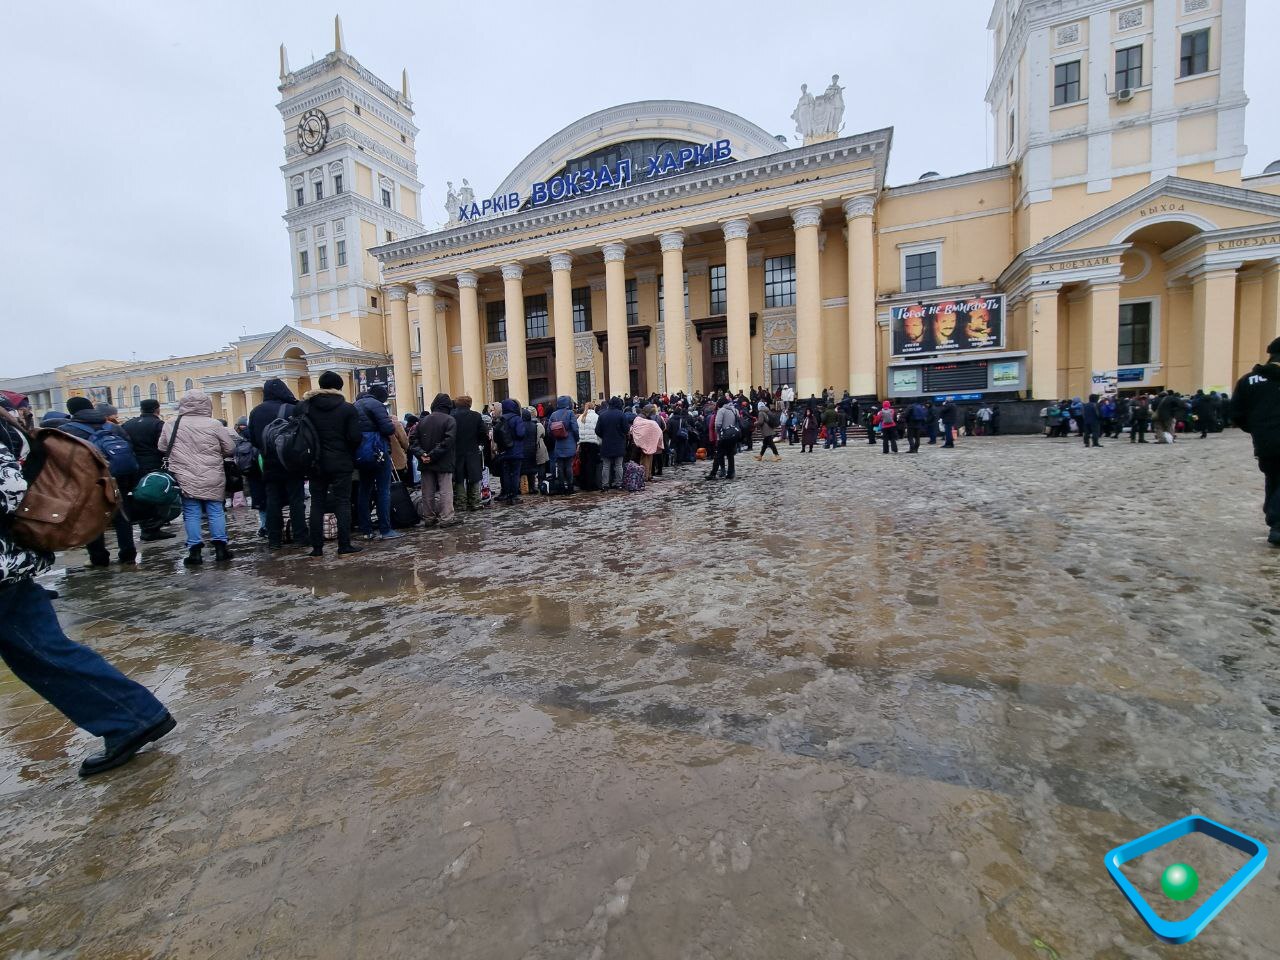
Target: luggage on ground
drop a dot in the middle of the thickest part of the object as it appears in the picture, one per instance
(403, 512)
(632, 477)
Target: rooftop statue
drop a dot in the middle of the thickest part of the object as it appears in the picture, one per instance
(822, 117)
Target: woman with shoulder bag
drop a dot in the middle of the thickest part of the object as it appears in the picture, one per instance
(196, 446)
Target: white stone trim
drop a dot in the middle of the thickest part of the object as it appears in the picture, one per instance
(512, 271)
(958, 218)
(614, 252)
(398, 292)
(915, 247)
(467, 279)
(736, 229)
(809, 216)
(425, 288)
(561, 262)
(671, 240)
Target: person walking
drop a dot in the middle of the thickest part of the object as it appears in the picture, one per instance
(1205, 413)
(435, 447)
(373, 462)
(831, 418)
(563, 426)
(1091, 422)
(337, 427)
(1255, 409)
(470, 440)
(948, 418)
(768, 420)
(144, 436)
(809, 427)
(78, 682)
(888, 427)
(281, 486)
(1139, 418)
(197, 446)
(611, 427)
(915, 418)
(728, 430)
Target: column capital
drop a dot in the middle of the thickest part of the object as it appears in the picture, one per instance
(561, 261)
(512, 271)
(397, 291)
(863, 206)
(442, 306)
(810, 216)
(1044, 290)
(671, 240)
(425, 288)
(736, 229)
(468, 280)
(1202, 270)
(614, 252)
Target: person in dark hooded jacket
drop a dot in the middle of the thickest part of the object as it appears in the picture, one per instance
(1255, 409)
(612, 428)
(85, 421)
(337, 427)
(471, 438)
(281, 486)
(434, 446)
(144, 435)
(511, 457)
(375, 478)
(565, 446)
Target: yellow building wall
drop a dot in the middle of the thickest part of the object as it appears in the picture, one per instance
(1070, 158)
(1197, 135)
(364, 181)
(1131, 147)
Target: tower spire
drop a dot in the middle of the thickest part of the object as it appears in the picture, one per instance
(404, 83)
(337, 33)
(284, 62)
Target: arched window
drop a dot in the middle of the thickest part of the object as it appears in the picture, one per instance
(137, 396)
(188, 386)
(154, 392)
(169, 391)
(122, 396)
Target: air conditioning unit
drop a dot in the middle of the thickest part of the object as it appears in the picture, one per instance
(1125, 95)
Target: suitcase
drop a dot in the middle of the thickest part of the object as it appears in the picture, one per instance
(632, 477)
(403, 512)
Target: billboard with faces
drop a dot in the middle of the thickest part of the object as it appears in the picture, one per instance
(948, 326)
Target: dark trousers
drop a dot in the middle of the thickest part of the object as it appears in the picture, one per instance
(913, 438)
(330, 493)
(127, 549)
(510, 479)
(767, 444)
(947, 429)
(589, 472)
(375, 483)
(84, 687)
(725, 449)
(285, 488)
(1090, 433)
(564, 474)
(889, 437)
(1270, 468)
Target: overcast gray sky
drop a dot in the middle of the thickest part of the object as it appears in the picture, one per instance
(140, 183)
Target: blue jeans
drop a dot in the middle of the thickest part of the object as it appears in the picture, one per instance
(192, 512)
(88, 690)
(375, 480)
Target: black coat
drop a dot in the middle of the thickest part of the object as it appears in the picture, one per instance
(144, 435)
(949, 414)
(338, 429)
(1255, 409)
(611, 428)
(436, 437)
(274, 396)
(470, 439)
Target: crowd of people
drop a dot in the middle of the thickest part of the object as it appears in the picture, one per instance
(1163, 415)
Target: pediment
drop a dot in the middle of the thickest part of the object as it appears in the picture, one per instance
(308, 341)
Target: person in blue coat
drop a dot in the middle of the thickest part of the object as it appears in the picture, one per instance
(565, 446)
(1091, 422)
(612, 428)
(513, 428)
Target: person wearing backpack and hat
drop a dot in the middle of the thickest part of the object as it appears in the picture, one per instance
(510, 426)
(75, 680)
(280, 486)
(144, 435)
(377, 429)
(197, 446)
(92, 424)
(337, 427)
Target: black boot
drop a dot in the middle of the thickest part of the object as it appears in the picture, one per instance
(193, 558)
(220, 552)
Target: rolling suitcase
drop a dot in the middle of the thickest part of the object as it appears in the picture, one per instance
(403, 512)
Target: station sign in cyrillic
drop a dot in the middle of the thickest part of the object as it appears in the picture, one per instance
(614, 176)
(948, 326)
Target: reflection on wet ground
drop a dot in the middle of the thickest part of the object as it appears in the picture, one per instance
(848, 706)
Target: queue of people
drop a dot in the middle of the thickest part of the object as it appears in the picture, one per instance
(1164, 415)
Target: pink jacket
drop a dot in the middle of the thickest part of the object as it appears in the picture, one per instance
(196, 456)
(646, 434)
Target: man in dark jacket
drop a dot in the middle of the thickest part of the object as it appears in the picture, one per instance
(915, 426)
(86, 420)
(144, 434)
(948, 418)
(1091, 422)
(281, 486)
(1206, 414)
(375, 477)
(337, 427)
(611, 428)
(512, 427)
(434, 444)
(1255, 409)
(470, 441)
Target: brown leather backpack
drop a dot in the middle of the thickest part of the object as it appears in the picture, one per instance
(71, 496)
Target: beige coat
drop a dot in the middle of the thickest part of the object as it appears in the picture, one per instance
(399, 444)
(196, 458)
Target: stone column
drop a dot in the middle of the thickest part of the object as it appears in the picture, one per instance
(252, 397)
(401, 350)
(858, 214)
(809, 304)
(429, 340)
(294, 385)
(216, 397)
(443, 358)
(615, 315)
(235, 406)
(472, 351)
(1270, 307)
(737, 303)
(1213, 317)
(673, 322)
(562, 324)
(1102, 333)
(1042, 342)
(517, 364)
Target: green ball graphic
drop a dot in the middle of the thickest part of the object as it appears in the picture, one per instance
(1179, 882)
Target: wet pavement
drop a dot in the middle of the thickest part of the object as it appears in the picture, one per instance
(848, 706)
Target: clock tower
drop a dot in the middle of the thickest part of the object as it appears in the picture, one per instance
(351, 183)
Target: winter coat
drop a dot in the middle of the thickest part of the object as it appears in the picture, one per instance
(197, 452)
(469, 438)
(88, 422)
(275, 396)
(435, 440)
(16, 563)
(511, 417)
(949, 414)
(1170, 409)
(1092, 416)
(587, 428)
(646, 434)
(144, 437)
(567, 445)
(611, 428)
(337, 428)
(1255, 409)
(399, 444)
(373, 415)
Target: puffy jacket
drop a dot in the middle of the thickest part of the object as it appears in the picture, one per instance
(16, 563)
(587, 428)
(567, 445)
(144, 436)
(511, 417)
(337, 428)
(436, 436)
(1255, 409)
(400, 446)
(373, 415)
(197, 451)
(611, 428)
(275, 395)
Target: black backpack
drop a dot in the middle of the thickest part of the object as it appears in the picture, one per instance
(504, 435)
(293, 440)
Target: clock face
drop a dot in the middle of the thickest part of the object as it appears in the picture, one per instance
(313, 129)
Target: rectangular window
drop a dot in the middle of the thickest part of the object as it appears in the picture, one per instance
(581, 309)
(584, 385)
(304, 262)
(780, 281)
(920, 271)
(633, 303)
(500, 390)
(1195, 53)
(1066, 83)
(322, 258)
(719, 290)
(390, 236)
(1012, 128)
(342, 253)
(1135, 333)
(539, 384)
(1129, 67)
(386, 199)
(535, 316)
(337, 183)
(495, 315)
(299, 196)
(373, 302)
(318, 187)
(782, 370)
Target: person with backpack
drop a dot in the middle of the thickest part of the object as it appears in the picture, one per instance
(336, 426)
(282, 486)
(92, 424)
(917, 418)
(680, 432)
(611, 428)
(76, 681)
(244, 461)
(831, 418)
(373, 462)
(144, 436)
(728, 430)
(887, 418)
(197, 446)
(434, 447)
(509, 433)
(533, 465)
(471, 438)
(562, 426)
(768, 421)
